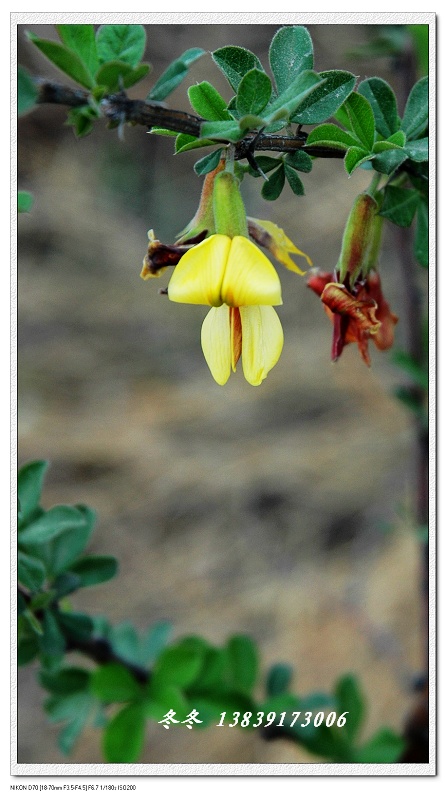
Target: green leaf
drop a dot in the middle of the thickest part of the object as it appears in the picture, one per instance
(116, 75)
(207, 102)
(225, 131)
(121, 43)
(160, 699)
(243, 663)
(27, 92)
(184, 142)
(354, 157)
(95, 569)
(65, 548)
(125, 642)
(254, 92)
(389, 161)
(30, 572)
(75, 625)
(29, 487)
(400, 205)
(178, 665)
(416, 113)
(293, 179)
(300, 161)
(290, 53)
(288, 102)
(113, 683)
(76, 708)
(385, 747)
(330, 135)
(420, 36)
(82, 119)
(124, 735)
(362, 121)
(64, 59)
(214, 672)
(65, 681)
(418, 150)
(416, 372)
(235, 62)
(64, 585)
(272, 188)
(52, 642)
(27, 649)
(80, 39)
(266, 164)
(421, 243)
(174, 74)
(383, 103)
(155, 640)
(208, 163)
(24, 201)
(350, 699)
(50, 524)
(278, 679)
(327, 98)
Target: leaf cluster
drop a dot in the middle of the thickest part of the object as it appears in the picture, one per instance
(144, 676)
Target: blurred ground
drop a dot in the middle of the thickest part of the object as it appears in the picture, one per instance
(279, 511)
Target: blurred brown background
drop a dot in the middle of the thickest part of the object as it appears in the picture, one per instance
(281, 511)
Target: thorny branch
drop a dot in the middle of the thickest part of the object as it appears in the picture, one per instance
(118, 108)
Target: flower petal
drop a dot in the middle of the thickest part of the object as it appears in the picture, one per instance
(216, 343)
(269, 235)
(262, 342)
(250, 279)
(199, 275)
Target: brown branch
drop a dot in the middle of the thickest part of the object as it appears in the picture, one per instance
(118, 108)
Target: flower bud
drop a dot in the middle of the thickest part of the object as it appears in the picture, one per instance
(361, 239)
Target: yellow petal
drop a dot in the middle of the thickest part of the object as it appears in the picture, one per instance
(278, 243)
(198, 276)
(249, 279)
(216, 343)
(262, 342)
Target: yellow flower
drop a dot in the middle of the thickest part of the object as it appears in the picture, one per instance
(274, 239)
(226, 270)
(252, 332)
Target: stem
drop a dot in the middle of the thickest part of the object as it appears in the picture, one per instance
(118, 108)
(374, 183)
